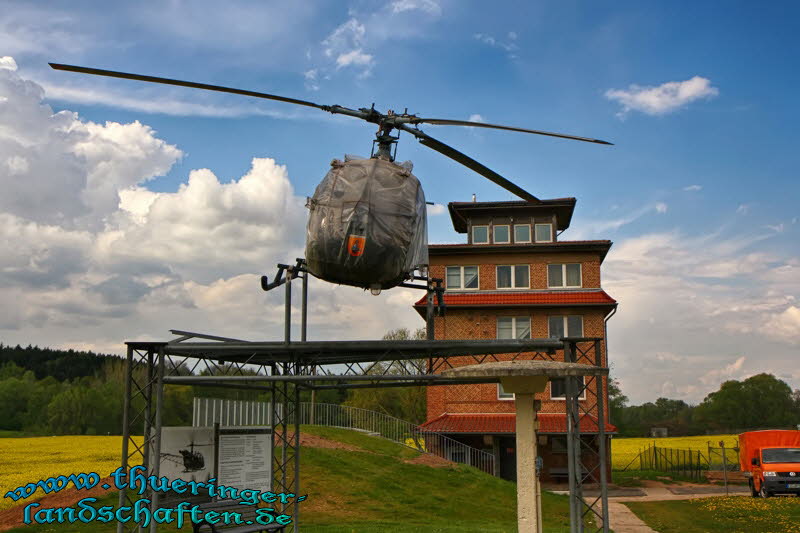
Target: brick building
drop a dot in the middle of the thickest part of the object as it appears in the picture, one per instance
(514, 278)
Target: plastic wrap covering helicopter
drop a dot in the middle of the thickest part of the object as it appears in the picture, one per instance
(367, 223)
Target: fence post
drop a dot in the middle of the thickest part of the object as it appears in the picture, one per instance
(724, 465)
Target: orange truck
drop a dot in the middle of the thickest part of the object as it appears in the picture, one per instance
(771, 461)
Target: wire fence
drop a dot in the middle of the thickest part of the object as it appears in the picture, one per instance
(208, 411)
(723, 458)
(685, 463)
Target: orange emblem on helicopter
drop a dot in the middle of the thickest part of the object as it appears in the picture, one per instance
(355, 245)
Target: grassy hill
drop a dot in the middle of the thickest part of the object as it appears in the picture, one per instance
(359, 483)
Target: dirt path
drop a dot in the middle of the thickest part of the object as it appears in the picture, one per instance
(11, 518)
(622, 520)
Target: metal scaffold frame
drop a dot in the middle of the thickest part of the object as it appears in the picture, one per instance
(283, 368)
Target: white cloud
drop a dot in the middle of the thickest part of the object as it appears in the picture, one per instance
(777, 228)
(489, 40)
(354, 57)
(713, 378)
(64, 170)
(599, 227)
(743, 209)
(353, 47)
(693, 188)
(8, 63)
(664, 98)
(436, 209)
(787, 324)
(312, 82)
(345, 37)
(476, 118)
(698, 308)
(428, 6)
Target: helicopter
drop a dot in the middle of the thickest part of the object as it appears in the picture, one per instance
(190, 460)
(367, 224)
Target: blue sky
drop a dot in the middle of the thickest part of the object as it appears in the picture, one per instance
(699, 193)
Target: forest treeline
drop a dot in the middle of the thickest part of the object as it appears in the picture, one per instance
(57, 392)
(758, 402)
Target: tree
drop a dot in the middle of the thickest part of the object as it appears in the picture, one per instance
(406, 403)
(616, 401)
(760, 401)
(14, 395)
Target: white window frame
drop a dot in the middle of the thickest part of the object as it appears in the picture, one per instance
(513, 325)
(564, 276)
(461, 278)
(534, 232)
(530, 235)
(565, 323)
(513, 278)
(564, 398)
(488, 234)
(494, 229)
(509, 396)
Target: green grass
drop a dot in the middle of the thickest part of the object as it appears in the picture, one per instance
(9, 434)
(376, 490)
(731, 514)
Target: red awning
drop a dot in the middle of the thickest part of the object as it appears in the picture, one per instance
(536, 298)
(506, 423)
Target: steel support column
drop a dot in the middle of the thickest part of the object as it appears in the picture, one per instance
(575, 475)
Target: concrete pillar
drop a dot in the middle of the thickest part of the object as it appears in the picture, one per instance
(529, 514)
(529, 507)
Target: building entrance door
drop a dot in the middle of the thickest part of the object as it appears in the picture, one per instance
(508, 458)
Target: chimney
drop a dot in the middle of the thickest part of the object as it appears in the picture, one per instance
(474, 198)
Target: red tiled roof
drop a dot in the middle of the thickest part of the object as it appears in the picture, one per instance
(506, 423)
(519, 245)
(524, 298)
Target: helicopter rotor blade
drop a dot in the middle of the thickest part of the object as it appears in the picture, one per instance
(447, 122)
(470, 163)
(181, 83)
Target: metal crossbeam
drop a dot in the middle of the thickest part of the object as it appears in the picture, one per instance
(282, 368)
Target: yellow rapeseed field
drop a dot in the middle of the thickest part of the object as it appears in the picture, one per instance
(624, 450)
(27, 460)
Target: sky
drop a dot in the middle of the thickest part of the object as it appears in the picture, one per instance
(129, 209)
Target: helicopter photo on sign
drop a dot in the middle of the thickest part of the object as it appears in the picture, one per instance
(187, 453)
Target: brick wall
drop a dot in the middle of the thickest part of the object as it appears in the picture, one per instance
(481, 323)
(590, 267)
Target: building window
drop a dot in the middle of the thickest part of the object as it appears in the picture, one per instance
(480, 234)
(503, 395)
(513, 276)
(544, 232)
(565, 326)
(462, 277)
(522, 233)
(513, 327)
(558, 388)
(564, 275)
(502, 234)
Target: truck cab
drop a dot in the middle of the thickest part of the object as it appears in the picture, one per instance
(771, 460)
